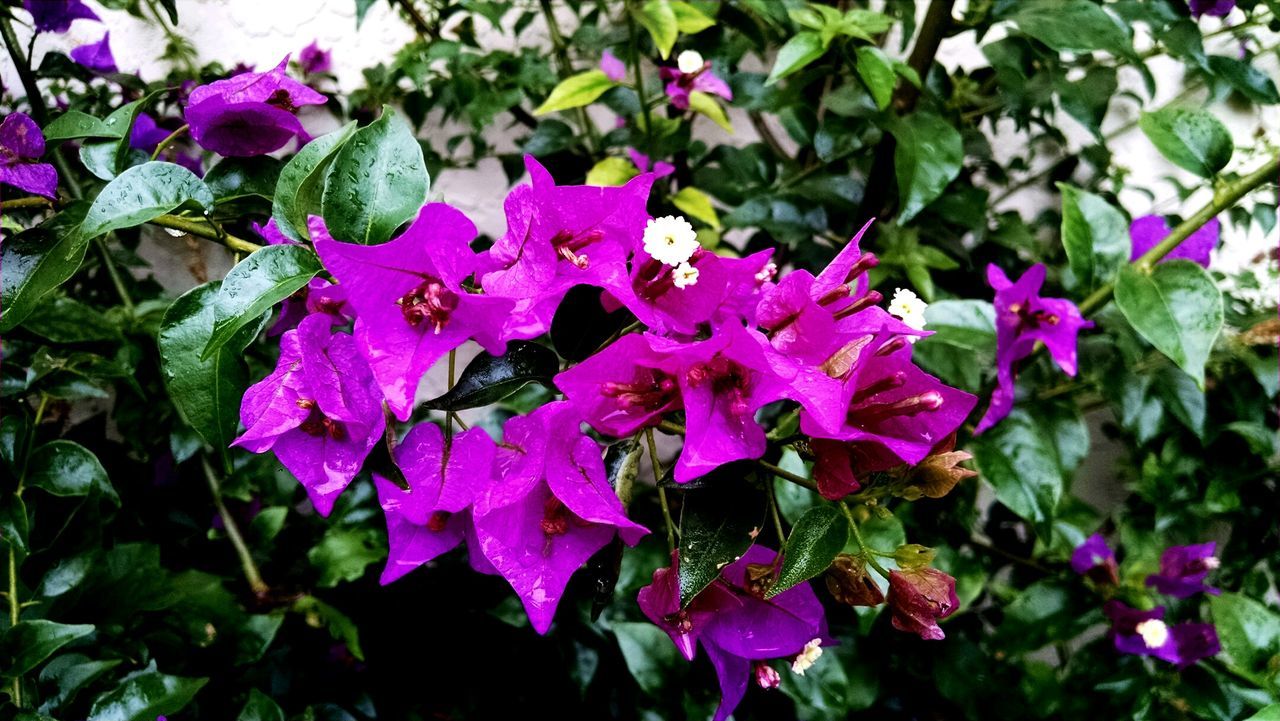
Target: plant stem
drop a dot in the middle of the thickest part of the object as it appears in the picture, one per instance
(566, 69)
(15, 609)
(424, 29)
(662, 492)
(1223, 199)
(34, 201)
(670, 427)
(247, 564)
(168, 140)
(22, 64)
(773, 511)
(867, 554)
(114, 272)
(203, 230)
(638, 79)
(786, 475)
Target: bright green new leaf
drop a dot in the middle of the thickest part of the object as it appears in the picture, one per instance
(876, 71)
(612, 171)
(697, 204)
(659, 18)
(798, 52)
(689, 19)
(704, 104)
(576, 91)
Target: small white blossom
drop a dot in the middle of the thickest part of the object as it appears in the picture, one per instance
(1211, 562)
(689, 61)
(907, 307)
(684, 275)
(670, 240)
(767, 273)
(806, 658)
(1154, 632)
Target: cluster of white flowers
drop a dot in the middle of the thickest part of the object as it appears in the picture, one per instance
(1154, 632)
(671, 240)
(907, 307)
(690, 61)
(806, 658)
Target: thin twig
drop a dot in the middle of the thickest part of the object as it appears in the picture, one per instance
(168, 140)
(204, 230)
(247, 563)
(662, 492)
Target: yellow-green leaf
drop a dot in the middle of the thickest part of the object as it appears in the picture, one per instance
(689, 19)
(576, 91)
(700, 102)
(612, 171)
(659, 18)
(696, 203)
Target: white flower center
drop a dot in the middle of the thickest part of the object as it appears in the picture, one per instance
(670, 240)
(1212, 562)
(689, 61)
(767, 273)
(684, 275)
(907, 307)
(1154, 632)
(806, 658)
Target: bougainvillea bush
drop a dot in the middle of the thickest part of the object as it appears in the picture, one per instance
(810, 377)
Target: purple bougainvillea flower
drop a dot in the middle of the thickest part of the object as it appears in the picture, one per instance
(56, 16)
(146, 134)
(1216, 8)
(1024, 318)
(434, 514)
(96, 56)
(1095, 560)
(737, 626)
(315, 61)
(723, 381)
(660, 169)
(558, 237)
(410, 306)
(719, 290)
(552, 509)
(1147, 231)
(1145, 633)
(317, 297)
(692, 74)
(319, 411)
(21, 145)
(1183, 570)
(612, 67)
(919, 598)
(622, 388)
(250, 113)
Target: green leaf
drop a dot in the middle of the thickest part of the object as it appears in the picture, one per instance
(927, 158)
(1190, 138)
(718, 523)
(302, 181)
(140, 194)
(14, 524)
(28, 643)
(345, 552)
(74, 124)
(697, 204)
(798, 52)
(576, 91)
(488, 379)
(689, 19)
(260, 707)
(876, 71)
(362, 9)
(704, 104)
(1095, 235)
(37, 261)
(1183, 399)
(378, 181)
(1071, 25)
(1250, 636)
(649, 654)
(257, 283)
(840, 682)
(816, 538)
(66, 468)
(1270, 713)
(1244, 77)
(318, 613)
(65, 320)
(1175, 306)
(1020, 460)
(206, 392)
(70, 673)
(144, 695)
(611, 171)
(659, 18)
(236, 178)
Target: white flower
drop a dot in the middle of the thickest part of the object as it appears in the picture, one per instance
(767, 273)
(907, 307)
(1153, 632)
(689, 62)
(684, 275)
(806, 658)
(1211, 562)
(670, 240)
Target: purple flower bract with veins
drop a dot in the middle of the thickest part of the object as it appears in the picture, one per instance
(56, 16)
(681, 84)
(1095, 559)
(96, 56)
(1144, 633)
(411, 308)
(315, 61)
(612, 67)
(250, 113)
(21, 145)
(551, 510)
(1183, 570)
(319, 411)
(1146, 232)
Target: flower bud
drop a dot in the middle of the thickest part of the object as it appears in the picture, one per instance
(766, 676)
(850, 584)
(913, 556)
(918, 598)
(936, 475)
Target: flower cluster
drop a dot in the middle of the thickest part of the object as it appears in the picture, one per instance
(1182, 574)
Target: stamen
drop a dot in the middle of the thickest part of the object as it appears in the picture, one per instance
(432, 302)
(871, 298)
(910, 406)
